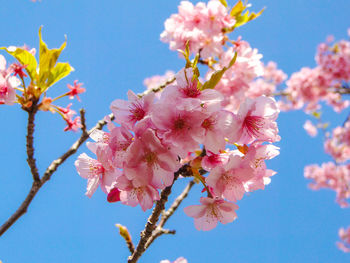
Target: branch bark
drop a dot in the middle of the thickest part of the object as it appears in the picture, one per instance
(30, 143)
(151, 225)
(37, 184)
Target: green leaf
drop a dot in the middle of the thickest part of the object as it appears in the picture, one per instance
(47, 61)
(246, 17)
(316, 114)
(217, 75)
(60, 71)
(237, 9)
(25, 58)
(223, 2)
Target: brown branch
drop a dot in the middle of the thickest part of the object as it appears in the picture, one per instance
(30, 143)
(166, 215)
(163, 86)
(150, 227)
(152, 221)
(50, 170)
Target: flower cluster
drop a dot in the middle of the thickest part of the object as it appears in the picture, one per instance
(158, 135)
(325, 82)
(338, 146)
(202, 26)
(248, 77)
(8, 81)
(344, 235)
(331, 176)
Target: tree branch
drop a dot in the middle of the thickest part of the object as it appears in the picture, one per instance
(52, 167)
(150, 227)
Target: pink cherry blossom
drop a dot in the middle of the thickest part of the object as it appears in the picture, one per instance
(7, 89)
(331, 176)
(187, 94)
(129, 112)
(201, 26)
(96, 174)
(179, 127)
(75, 89)
(255, 120)
(228, 180)
(310, 128)
(207, 215)
(338, 145)
(149, 158)
(344, 235)
(211, 160)
(137, 191)
(256, 156)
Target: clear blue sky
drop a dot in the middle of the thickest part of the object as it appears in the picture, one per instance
(114, 45)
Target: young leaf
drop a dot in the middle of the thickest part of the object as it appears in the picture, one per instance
(25, 58)
(223, 2)
(237, 9)
(47, 61)
(60, 71)
(216, 76)
(243, 19)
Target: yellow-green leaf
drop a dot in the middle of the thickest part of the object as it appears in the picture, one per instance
(246, 17)
(60, 71)
(217, 75)
(316, 114)
(25, 58)
(223, 2)
(237, 9)
(47, 60)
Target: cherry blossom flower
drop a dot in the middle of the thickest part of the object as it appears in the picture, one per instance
(228, 180)
(344, 235)
(332, 176)
(207, 215)
(129, 112)
(137, 191)
(149, 158)
(255, 120)
(75, 90)
(7, 89)
(201, 26)
(96, 173)
(310, 128)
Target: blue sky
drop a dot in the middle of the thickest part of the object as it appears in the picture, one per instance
(113, 46)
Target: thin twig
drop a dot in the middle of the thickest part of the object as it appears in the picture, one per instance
(56, 163)
(166, 215)
(48, 173)
(159, 88)
(30, 143)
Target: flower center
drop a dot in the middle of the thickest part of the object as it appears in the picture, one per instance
(253, 125)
